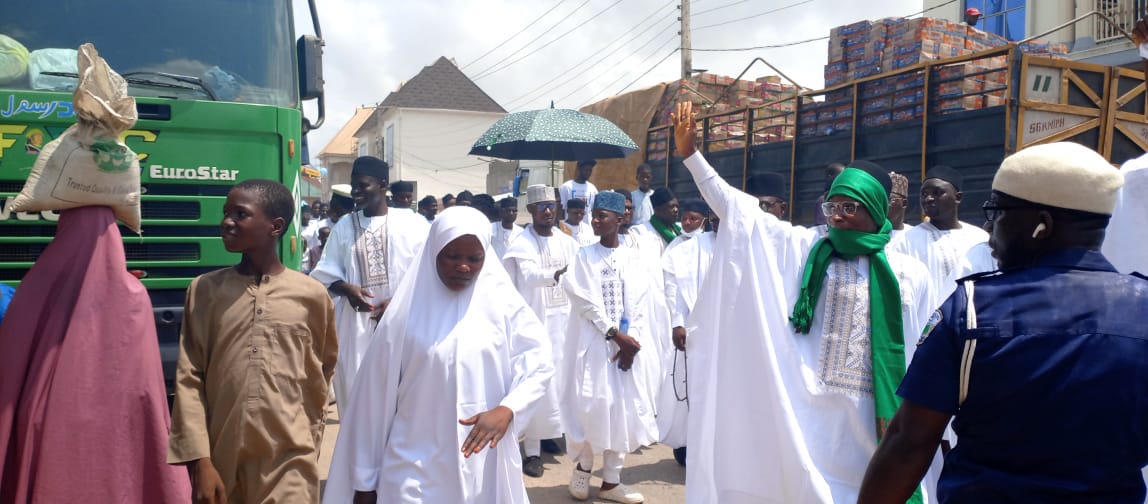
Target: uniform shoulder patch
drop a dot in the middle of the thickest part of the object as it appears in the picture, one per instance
(934, 321)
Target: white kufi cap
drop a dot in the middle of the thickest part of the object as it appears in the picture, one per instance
(539, 193)
(1061, 175)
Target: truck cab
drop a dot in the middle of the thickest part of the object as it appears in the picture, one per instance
(218, 86)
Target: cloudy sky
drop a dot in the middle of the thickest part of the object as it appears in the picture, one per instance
(525, 53)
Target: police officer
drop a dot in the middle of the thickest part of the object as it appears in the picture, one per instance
(1044, 364)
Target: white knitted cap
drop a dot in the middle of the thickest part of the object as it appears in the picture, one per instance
(539, 193)
(1062, 175)
(341, 189)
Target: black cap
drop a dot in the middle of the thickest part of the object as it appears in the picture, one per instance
(695, 205)
(402, 186)
(661, 196)
(946, 173)
(508, 202)
(767, 184)
(372, 166)
(576, 203)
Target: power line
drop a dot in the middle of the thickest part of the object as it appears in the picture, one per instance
(524, 28)
(597, 54)
(535, 39)
(931, 8)
(723, 23)
(806, 41)
(720, 7)
(603, 73)
(543, 46)
(771, 46)
(601, 60)
(653, 54)
(655, 65)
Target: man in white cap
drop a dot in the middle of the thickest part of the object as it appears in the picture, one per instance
(1043, 363)
(536, 261)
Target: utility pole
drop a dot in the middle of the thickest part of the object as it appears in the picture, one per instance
(687, 59)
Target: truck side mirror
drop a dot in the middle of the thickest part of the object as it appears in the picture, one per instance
(310, 52)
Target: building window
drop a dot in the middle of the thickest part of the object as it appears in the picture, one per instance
(1002, 17)
(362, 147)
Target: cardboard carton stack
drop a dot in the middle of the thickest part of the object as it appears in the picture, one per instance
(867, 48)
(774, 117)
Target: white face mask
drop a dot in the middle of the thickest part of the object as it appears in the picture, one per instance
(694, 233)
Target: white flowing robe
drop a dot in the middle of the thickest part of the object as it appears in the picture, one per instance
(778, 416)
(1124, 239)
(376, 255)
(946, 254)
(582, 233)
(643, 209)
(440, 356)
(531, 262)
(602, 405)
(685, 264)
(501, 238)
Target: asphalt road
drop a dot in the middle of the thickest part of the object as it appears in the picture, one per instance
(651, 471)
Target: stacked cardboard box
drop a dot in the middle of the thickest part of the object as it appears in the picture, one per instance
(865, 48)
(858, 50)
(773, 100)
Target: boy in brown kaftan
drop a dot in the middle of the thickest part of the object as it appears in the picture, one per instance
(257, 353)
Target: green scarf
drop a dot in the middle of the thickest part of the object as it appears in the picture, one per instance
(668, 233)
(887, 338)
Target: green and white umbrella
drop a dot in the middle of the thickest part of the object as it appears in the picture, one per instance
(554, 135)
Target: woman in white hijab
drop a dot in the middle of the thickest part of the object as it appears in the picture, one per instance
(454, 367)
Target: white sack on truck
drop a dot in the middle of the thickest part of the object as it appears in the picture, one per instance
(88, 165)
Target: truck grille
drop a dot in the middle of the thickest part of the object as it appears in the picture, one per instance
(28, 252)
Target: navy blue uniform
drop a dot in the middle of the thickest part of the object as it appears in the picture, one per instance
(1057, 405)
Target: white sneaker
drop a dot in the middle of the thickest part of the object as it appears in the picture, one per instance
(623, 494)
(580, 484)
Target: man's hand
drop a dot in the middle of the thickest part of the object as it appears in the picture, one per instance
(558, 274)
(365, 497)
(356, 295)
(685, 129)
(627, 348)
(679, 338)
(206, 484)
(380, 309)
(489, 427)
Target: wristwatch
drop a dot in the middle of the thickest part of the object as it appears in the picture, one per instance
(610, 333)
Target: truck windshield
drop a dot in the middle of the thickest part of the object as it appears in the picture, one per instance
(224, 50)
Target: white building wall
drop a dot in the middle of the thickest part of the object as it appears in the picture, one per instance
(431, 149)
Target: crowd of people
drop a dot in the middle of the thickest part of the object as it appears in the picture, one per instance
(861, 359)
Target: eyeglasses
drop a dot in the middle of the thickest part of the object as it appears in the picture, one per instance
(766, 205)
(545, 206)
(848, 208)
(993, 211)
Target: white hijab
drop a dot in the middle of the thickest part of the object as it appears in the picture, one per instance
(425, 307)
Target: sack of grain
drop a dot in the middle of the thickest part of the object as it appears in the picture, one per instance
(88, 164)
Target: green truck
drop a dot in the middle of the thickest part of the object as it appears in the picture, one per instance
(219, 86)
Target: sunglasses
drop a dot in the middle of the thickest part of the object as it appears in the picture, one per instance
(993, 211)
(546, 206)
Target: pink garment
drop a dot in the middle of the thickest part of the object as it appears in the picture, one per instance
(83, 409)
